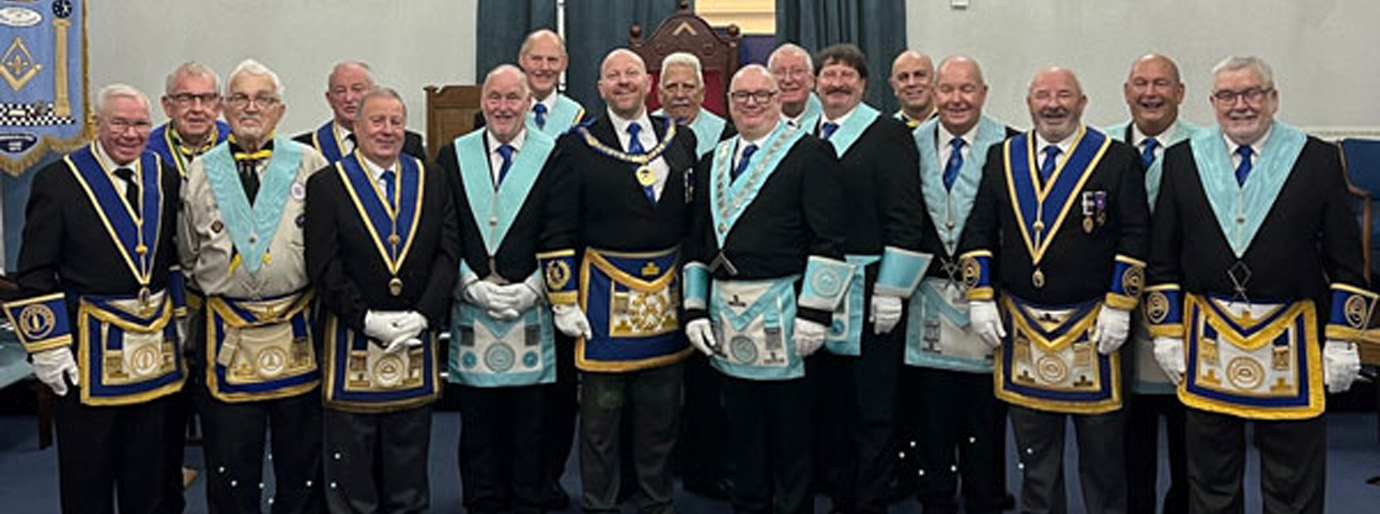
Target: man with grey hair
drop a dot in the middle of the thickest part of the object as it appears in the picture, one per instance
(542, 56)
(502, 345)
(97, 248)
(381, 252)
(795, 78)
(348, 82)
(912, 81)
(240, 240)
(1053, 253)
(1251, 324)
(680, 89)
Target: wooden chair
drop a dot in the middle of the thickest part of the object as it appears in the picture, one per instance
(450, 113)
(686, 32)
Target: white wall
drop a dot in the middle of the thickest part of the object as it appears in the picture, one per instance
(409, 44)
(1322, 51)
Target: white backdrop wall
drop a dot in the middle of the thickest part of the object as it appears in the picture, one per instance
(1322, 51)
(409, 44)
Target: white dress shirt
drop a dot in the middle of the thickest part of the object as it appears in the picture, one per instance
(495, 158)
(648, 139)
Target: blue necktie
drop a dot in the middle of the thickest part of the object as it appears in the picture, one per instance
(955, 163)
(828, 129)
(390, 187)
(743, 162)
(540, 111)
(1051, 158)
(506, 152)
(1243, 170)
(1147, 156)
(635, 148)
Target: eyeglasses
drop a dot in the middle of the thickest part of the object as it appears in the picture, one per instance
(1252, 95)
(791, 72)
(760, 97)
(189, 99)
(240, 101)
(120, 125)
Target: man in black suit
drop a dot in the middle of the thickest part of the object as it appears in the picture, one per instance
(97, 248)
(618, 211)
(1257, 294)
(1060, 211)
(349, 81)
(382, 249)
(858, 374)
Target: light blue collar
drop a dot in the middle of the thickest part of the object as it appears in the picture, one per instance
(1241, 210)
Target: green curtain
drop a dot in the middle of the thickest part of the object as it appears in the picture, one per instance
(877, 27)
(593, 28)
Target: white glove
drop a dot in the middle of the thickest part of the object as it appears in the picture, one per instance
(986, 321)
(381, 326)
(809, 336)
(1341, 365)
(886, 313)
(571, 321)
(1169, 353)
(701, 335)
(181, 323)
(516, 297)
(401, 344)
(486, 295)
(410, 324)
(50, 366)
(1113, 325)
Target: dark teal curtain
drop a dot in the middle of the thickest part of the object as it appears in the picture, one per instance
(878, 27)
(593, 28)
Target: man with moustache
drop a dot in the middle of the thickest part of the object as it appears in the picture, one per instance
(503, 349)
(771, 208)
(1051, 258)
(960, 427)
(617, 210)
(859, 374)
(681, 90)
(795, 76)
(92, 274)
(382, 250)
(240, 240)
(1257, 294)
(912, 80)
(1153, 92)
(348, 82)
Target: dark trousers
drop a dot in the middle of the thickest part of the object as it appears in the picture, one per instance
(1143, 412)
(105, 453)
(377, 462)
(502, 467)
(701, 456)
(859, 395)
(558, 426)
(178, 413)
(1293, 463)
(962, 433)
(651, 398)
(768, 436)
(233, 439)
(1101, 460)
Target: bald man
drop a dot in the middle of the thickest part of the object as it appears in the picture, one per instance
(1153, 92)
(912, 81)
(614, 222)
(348, 82)
(1053, 259)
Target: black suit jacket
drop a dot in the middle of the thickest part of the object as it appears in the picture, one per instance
(883, 187)
(345, 266)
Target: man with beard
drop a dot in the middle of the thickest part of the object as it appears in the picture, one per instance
(959, 426)
(1153, 92)
(240, 239)
(1257, 295)
(92, 274)
(795, 76)
(912, 80)
(771, 208)
(348, 82)
(382, 250)
(680, 87)
(858, 376)
(618, 210)
(1060, 212)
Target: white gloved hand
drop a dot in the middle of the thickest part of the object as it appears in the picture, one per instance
(986, 321)
(52, 364)
(809, 336)
(886, 313)
(410, 324)
(1169, 354)
(181, 323)
(571, 321)
(486, 295)
(701, 335)
(1341, 365)
(381, 326)
(1112, 328)
(402, 343)
(520, 297)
